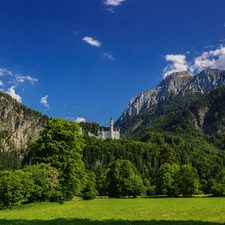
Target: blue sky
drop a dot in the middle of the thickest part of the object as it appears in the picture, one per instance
(87, 58)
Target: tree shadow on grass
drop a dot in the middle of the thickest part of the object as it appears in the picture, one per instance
(104, 222)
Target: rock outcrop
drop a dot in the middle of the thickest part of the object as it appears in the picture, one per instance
(179, 83)
(18, 124)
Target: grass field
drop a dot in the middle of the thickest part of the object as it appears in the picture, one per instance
(141, 211)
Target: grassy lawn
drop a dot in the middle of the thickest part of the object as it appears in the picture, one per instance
(141, 211)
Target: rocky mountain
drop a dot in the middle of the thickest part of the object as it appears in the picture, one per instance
(173, 93)
(18, 125)
(203, 118)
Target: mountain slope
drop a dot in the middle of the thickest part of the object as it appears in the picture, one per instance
(203, 117)
(18, 125)
(174, 93)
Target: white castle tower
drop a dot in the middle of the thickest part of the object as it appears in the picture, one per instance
(109, 132)
(111, 127)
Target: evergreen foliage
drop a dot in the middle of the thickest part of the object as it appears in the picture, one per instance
(89, 127)
(6, 99)
(90, 192)
(179, 151)
(9, 161)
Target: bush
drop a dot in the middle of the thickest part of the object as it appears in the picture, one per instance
(151, 190)
(12, 189)
(45, 183)
(89, 194)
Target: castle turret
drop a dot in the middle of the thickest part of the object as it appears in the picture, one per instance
(109, 132)
(111, 126)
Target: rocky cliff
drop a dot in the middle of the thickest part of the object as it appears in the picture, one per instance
(177, 89)
(18, 124)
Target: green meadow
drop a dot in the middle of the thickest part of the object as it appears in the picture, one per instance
(140, 211)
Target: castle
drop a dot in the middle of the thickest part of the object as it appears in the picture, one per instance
(109, 132)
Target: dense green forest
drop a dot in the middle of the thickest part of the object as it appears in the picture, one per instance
(181, 153)
(194, 135)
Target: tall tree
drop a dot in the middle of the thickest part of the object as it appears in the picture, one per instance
(123, 180)
(189, 181)
(167, 155)
(61, 145)
(168, 180)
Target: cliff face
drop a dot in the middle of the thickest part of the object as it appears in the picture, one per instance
(18, 124)
(177, 85)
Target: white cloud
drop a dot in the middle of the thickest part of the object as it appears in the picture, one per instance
(108, 56)
(80, 119)
(113, 2)
(44, 101)
(92, 42)
(179, 64)
(207, 60)
(4, 71)
(22, 79)
(210, 59)
(12, 93)
(1, 83)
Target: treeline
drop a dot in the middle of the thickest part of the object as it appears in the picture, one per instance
(6, 99)
(9, 161)
(89, 127)
(152, 153)
(64, 163)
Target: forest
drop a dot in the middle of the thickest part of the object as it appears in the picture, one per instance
(179, 154)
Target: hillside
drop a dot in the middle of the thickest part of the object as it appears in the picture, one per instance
(205, 116)
(18, 126)
(177, 91)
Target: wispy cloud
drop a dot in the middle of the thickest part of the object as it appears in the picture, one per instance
(11, 79)
(207, 60)
(12, 93)
(44, 101)
(4, 71)
(22, 79)
(92, 42)
(210, 46)
(15, 78)
(111, 10)
(108, 56)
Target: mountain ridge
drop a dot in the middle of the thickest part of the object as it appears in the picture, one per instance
(176, 87)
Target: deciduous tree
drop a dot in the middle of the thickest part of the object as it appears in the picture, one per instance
(61, 145)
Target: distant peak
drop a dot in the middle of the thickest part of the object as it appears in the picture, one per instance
(176, 75)
(179, 74)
